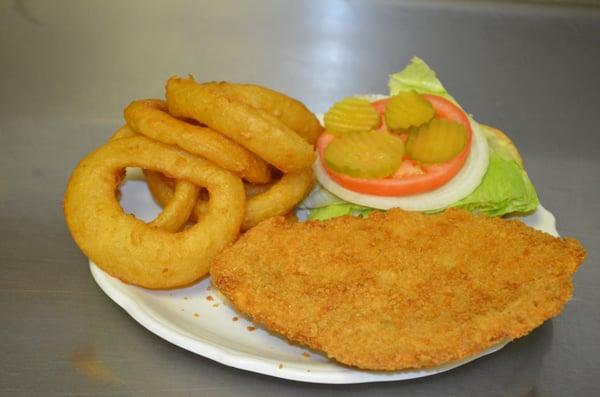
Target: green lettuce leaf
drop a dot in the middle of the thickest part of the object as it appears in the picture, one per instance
(340, 209)
(505, 188)
(419, 77)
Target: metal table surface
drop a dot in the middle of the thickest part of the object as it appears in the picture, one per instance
(68, 68)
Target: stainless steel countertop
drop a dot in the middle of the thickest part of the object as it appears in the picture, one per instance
(68, 68)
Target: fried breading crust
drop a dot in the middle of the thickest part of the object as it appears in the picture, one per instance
(399, 290)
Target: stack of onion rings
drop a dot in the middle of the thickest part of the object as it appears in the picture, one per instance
(262, 115)
(194, 150)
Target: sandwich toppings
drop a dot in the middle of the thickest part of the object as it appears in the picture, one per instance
(368, 154)
(423, 143)
(446, 159)
(351, 115)
(407, 109)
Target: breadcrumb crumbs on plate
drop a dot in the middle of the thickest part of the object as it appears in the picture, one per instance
(196, 315)
(210, 298)
(216, 305)
(235, 318)
(280, 366)
(305, 354)
(251, 328)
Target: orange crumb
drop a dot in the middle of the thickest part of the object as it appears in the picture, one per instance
(210, 298)
(235, 318)
(250, 328)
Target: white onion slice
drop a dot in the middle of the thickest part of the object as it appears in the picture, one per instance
(319, 197)
(463, 184)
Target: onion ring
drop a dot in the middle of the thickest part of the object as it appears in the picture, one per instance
(179, 205)
(123, 132)
(280, 199)
(163, 189)
(291, 112)
(254, 190)
(255, 129)
(126, 247)
(263, 201)
(150, 118)
(181, 201)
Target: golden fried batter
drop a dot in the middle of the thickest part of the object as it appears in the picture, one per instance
(399, 290)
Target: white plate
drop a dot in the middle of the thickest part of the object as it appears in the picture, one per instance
(197, 319)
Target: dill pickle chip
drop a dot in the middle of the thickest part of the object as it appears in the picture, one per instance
(407, 109)
(351, 115)
(436, 142)
(367, 154)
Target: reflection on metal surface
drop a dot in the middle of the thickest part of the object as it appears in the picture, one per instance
(85, 361)
(23, 10)
(332, 52)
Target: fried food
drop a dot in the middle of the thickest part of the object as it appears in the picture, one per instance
(399, 290)
(266, 134)
(123, 132)
(194, 172)
(280, 199)
(161, 187)
(178, 200)
(128, 248)
(291, 112)
(263, 201)
(150, 118)
(254, 129)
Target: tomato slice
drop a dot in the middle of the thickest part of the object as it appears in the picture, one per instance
(406, 181)
(379, 105)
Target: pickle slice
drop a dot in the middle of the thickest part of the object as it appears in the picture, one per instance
(367, 154)
(351, 115)
(407, 109)
(437, 142)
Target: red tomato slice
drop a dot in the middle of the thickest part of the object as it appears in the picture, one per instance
(379, 105)
(406, 183)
